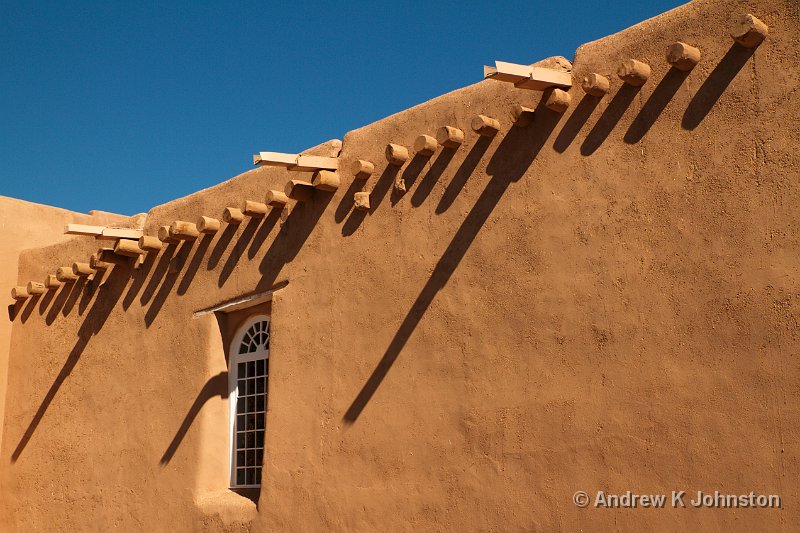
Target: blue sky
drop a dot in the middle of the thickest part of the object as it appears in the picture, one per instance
(121, 106)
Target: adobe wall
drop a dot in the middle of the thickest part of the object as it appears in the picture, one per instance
(28, 225)
(601, 300)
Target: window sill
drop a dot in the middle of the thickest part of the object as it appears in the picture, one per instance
(231, 505)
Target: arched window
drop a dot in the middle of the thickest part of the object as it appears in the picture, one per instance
(247, 380)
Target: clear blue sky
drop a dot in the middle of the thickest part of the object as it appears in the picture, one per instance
(121, 106)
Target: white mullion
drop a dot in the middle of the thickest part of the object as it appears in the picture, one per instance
(252, 356)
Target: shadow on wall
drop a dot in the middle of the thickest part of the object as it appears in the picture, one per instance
(174, 268)
(575, 122)
(463, 173)
(157, 275)
(609, 118)
(216, 386)
(139, 277)
(185, 259)
(431, 177)
(508, 164)
(410, 175)
(348, 200)
(290, 239)
(655, 105)
(109, 294)
(716, 83)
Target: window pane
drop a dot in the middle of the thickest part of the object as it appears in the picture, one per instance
(251, 403)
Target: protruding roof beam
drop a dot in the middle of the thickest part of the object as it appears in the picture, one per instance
(35, 287)
(276, 199)
(361, 168)
(206, 225)
(485, 126)
(255, 209)
(595, 84)
(150, 243)
(128, 248)
(523, 116)
(82, 269)
(527, 76)
(395, 154)
(633, 72)
(232, 215)
(19, 293)
(450, 136)
(325, 180)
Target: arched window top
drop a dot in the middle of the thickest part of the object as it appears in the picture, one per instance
(256, 337)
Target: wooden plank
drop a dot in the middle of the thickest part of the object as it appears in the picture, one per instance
(544, 78)
(83, 229)
(511, 72)
(302, 163)
(274, 159)
(120, 233)
(312, 163)
(508, 72)
(528, 77)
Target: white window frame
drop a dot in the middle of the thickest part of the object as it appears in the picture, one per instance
(233, 359)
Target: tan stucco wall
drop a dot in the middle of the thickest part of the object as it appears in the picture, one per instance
(603, 300)
(29, 225)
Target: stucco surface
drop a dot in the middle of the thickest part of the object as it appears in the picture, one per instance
(28, 225)
(605, 299)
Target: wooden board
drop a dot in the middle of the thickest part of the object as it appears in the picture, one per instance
(528, 77)
(83, 229)
(120, 233)
(303, 163)
(274, 159)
